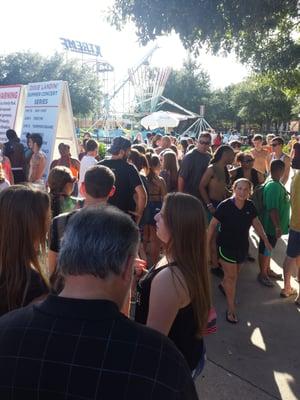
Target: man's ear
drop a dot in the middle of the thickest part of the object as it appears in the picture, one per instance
(122, 153)
(112, 191)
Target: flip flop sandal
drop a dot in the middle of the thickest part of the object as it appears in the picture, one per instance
(231, 321)
(285, 294)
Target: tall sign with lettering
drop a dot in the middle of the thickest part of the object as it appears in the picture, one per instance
(11, 109)
(81, 47)
(48, 111)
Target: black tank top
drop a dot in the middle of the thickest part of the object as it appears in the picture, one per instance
(184, 328)
(254, 176)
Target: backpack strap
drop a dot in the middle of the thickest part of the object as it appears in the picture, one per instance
(62, 222)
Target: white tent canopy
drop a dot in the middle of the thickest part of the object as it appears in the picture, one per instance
(163, 119)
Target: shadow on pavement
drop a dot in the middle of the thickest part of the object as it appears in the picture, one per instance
(260, 352)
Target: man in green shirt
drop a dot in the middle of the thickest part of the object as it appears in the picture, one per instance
(275, 219)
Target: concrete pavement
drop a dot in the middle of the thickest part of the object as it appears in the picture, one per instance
(259, 358)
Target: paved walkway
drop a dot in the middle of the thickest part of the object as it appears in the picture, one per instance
(259, 358)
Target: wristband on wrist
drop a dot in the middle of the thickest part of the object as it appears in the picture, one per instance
(208, 205)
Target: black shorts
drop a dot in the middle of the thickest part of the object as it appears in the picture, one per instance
(262, 248)
(232, 256)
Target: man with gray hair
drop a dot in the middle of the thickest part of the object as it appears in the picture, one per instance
(78, 345)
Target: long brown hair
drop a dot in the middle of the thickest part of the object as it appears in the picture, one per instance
(186, 220)
(170, 164)
(58, 177)
(24, 216)
(154, 163)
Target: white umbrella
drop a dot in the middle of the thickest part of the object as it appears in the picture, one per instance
(161, 119)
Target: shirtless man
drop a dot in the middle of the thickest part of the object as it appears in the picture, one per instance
(277, 154)
(260, 155)
(213, 185)
(214, 189)
(38, 159)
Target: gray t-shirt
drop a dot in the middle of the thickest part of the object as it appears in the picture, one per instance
(192, 169)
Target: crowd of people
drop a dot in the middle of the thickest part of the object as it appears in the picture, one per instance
(134, 236)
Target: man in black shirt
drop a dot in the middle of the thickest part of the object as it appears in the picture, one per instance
(128, 182)
(193, 166)
(15, 151)
(78, 345)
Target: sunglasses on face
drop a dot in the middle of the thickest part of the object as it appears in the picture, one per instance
(275, 144)
(248, 161)
(206, 143)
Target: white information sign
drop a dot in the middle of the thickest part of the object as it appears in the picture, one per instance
(11, 111)
(48, 112)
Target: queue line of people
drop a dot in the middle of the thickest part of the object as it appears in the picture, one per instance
(173, 296)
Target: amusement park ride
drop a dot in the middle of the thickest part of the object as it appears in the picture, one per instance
(147, 82)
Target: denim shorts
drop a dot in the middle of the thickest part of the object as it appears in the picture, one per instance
(262, 248)
(293, 247)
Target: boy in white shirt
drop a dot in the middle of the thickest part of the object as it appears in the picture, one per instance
(88, 160)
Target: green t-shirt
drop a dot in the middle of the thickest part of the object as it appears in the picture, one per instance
(276, 197)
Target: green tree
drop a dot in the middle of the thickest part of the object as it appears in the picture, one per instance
(255, 100)
(189, 86)
(220, 111)
(261, 32)
(23, 68)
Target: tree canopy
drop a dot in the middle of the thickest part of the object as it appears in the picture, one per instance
(189, 86)
(26, 67)
(263, 33)
(258, 100)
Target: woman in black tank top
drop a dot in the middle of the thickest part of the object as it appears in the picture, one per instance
(174, 297)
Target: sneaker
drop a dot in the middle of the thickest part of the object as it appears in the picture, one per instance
(273, 275)
(265, 281)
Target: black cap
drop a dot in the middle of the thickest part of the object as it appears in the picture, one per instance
(119, 143)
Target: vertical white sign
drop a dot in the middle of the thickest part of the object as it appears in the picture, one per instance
(48, 111)
(9, 104)
(41, 114)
